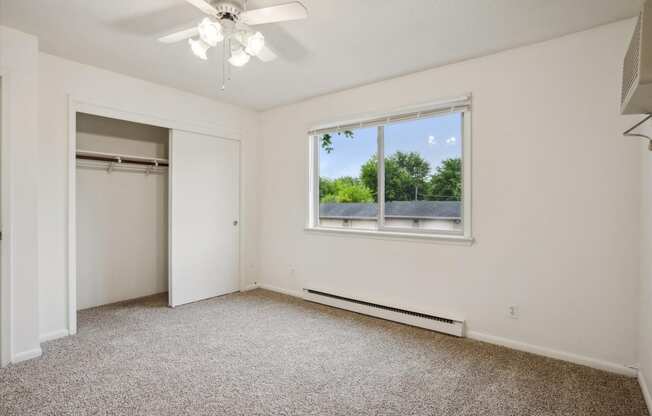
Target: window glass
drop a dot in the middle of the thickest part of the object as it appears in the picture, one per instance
(347, 187)
(423, 174)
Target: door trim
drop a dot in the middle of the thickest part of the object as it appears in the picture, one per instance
(6, 253)
(78, 105)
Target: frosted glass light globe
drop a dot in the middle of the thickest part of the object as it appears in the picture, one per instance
(210, 32)
(255, 44)
(239, 58)
(199, 48)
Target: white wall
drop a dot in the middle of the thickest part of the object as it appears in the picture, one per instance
(19, 60)
(122, 216)
(645, 312)
(60, 78)
(555, 202)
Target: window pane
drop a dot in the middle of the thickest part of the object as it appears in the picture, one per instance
(348, 179)
(423, 174)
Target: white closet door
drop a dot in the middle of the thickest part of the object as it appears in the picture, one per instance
(204, 198)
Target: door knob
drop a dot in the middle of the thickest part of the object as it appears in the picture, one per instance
(235, 222)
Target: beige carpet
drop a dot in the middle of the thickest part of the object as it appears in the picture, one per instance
(261, 353)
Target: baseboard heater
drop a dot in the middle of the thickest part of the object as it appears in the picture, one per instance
(390, 313)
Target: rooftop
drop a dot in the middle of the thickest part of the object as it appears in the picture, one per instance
(398, 209)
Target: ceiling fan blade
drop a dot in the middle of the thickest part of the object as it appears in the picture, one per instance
(204, 6)
(267, 55)
(179, 36)
(281, 13)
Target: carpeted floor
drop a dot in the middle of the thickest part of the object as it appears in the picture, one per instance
(260, 353)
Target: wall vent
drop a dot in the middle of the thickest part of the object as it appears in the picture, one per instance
(632, 63)
(390, 313)
(636, 97)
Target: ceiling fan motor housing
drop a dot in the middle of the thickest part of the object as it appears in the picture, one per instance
(229, 10)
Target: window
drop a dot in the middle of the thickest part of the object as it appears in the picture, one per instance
(346, 175)
(404, 173)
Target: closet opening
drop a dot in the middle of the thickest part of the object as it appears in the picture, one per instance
(121, 210)
(153, 207)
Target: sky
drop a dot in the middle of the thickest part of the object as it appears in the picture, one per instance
(435, 139)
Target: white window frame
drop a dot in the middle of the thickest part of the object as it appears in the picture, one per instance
(380, 120)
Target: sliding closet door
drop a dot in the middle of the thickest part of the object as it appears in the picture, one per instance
(204, 238)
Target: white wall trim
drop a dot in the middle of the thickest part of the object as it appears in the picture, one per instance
(550, 353)
(391, 235)
(247, 288)
(6, 252)
(71, 267)
(91, 107)
(50, 336)
(515, 345)
(78, 105)
(170, 214)
(294, 293)
(27, 355)
(645, 389)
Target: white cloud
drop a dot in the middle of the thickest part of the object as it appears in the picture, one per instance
(452, 140)
(431, 140)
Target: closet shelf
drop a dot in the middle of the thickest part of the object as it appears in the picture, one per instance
(121, 158)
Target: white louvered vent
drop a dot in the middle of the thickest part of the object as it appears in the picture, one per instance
(636, 97)
(632, 62)
(390, 313)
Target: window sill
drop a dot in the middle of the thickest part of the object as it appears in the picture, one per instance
(392, 235)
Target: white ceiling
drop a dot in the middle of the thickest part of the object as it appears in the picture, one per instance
(343, 43)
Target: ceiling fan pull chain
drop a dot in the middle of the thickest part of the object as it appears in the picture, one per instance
(223, 66)
(228, 67)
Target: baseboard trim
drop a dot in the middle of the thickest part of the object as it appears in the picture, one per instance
(515, 345)
(645, 389)
(50, 336)
(27, 355)
(250, 287)
(550, 353)
(294, 293)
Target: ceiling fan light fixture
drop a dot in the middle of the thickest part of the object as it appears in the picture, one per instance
(239, 57)
(230, 22)
(255, 44)
(210, 32)
(199, 48)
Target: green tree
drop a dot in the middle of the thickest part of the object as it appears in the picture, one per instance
(343, 190)
(326, 187)
(327, 139)
(411, 176)
(369, 176)
(446, 182)
(406, 176)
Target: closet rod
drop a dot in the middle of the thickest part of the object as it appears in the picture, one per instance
(134, 160)
(121, 160)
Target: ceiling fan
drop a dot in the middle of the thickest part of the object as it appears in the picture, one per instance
(229, 23)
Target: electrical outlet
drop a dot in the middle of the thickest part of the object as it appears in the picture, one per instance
(512, 311)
